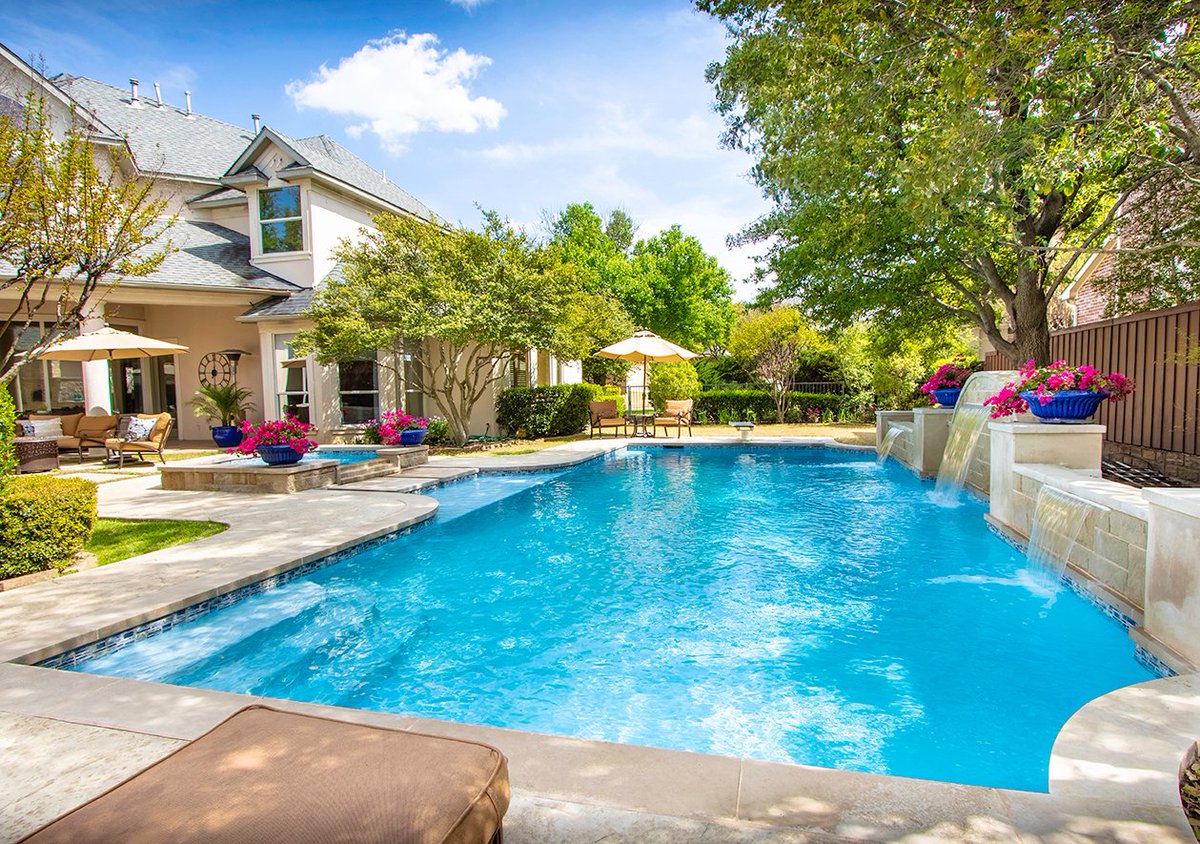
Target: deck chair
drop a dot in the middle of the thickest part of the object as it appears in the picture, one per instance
(603, 414)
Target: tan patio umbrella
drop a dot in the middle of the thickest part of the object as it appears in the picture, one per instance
(646, 346)
(109, 344)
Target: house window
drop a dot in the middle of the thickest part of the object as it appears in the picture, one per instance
(414, 399)
(358, 390)
(291, 395)
(279, 220)
(41, 385)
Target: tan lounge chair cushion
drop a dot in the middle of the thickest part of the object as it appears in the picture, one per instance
(605, 409)
(161, 421)
(92, 427)
(671, 420)
(269, 776)
(133, 445)
(608, 423)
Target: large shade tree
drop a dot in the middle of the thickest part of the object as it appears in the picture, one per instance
(933, 161)
(458, 303)
(73, 221)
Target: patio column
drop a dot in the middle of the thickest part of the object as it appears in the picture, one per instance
(97, 380)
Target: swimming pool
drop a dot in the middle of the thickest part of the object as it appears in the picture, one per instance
(791, 604)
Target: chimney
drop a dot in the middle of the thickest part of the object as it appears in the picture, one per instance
(158, 94)
(133, 91)
(255, 118)
(187, 99)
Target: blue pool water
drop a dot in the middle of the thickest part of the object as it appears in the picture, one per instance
(341, 455)
(801, 605)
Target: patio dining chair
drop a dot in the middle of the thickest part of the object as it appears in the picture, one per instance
(676, 414)
(603, 414)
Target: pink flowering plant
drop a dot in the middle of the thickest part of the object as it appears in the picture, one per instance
(1044, 381)
(287, 431)
(386, 429)
(949, 376)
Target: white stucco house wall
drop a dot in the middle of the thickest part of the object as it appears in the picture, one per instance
(259, 215)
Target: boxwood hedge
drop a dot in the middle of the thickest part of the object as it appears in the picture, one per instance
(44, 522)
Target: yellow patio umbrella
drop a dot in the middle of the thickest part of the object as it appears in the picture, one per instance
(646, 346)
(109, 344)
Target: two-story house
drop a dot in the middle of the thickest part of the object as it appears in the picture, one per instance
(258, 216)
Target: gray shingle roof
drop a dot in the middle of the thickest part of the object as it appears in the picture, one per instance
(327, 157)
(206, 256)
(333, 159)
(163, 139)
(210, 256)
(281, 307)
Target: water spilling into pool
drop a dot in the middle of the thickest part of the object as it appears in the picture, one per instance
(966, 428)
(889, 442)
(1058, 521)
(789, 604)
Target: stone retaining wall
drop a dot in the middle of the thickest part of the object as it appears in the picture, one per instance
(1110, 548)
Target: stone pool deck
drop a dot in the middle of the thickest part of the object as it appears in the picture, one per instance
(65, 737)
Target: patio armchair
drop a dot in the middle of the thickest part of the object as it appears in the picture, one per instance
(676, 414)
(154, 442)
(603, 414)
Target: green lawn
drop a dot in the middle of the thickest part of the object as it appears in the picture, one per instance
(118, 539)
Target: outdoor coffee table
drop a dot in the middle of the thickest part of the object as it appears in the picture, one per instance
(36, 454)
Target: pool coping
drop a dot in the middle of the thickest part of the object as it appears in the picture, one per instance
(1132, 776)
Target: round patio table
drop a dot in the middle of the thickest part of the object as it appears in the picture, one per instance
(36, 454)
(642, 423)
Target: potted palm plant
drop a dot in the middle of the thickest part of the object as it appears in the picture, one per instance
(227, 404)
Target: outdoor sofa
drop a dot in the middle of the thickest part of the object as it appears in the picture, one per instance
(265, 776)
(79, 430)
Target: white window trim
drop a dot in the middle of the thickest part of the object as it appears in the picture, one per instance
(304, 218)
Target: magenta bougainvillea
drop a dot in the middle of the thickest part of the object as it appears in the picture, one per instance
(949, 376)
(1045, 381)
(287, 431)
(386, 429)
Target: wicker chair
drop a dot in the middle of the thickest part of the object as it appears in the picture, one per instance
(677, 415)
(603, 414)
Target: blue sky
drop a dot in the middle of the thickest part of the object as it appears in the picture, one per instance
(516, 105)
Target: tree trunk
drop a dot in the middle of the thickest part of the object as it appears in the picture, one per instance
(1031, 339)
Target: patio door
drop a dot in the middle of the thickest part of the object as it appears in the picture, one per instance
(291, 381)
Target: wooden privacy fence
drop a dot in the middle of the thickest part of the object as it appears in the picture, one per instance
(1160, 350)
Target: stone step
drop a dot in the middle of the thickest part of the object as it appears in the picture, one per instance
(444, 473)
(394, 483)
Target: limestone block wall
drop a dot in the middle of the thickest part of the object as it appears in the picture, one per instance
(1111, 544)
(980, 473)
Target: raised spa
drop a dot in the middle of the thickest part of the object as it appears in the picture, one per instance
(790, 604)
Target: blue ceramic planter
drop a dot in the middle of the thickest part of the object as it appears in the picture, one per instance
(413, 437)
(279, 455)
(1066, 406)
(947, 396)
(227, 436)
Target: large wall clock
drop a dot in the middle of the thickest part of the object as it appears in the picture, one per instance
(216, 370)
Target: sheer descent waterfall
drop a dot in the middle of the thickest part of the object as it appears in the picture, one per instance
(1058, 519)
(889, 440)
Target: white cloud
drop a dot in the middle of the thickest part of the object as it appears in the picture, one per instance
(400, 85)
(469, 5)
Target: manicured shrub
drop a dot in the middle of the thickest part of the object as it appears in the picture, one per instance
(8, 426)
(439, 431)
(672, 381)
(557, 411)
(724, 406)
(44, 521)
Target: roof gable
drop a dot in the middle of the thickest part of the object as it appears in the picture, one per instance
(326, 158)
